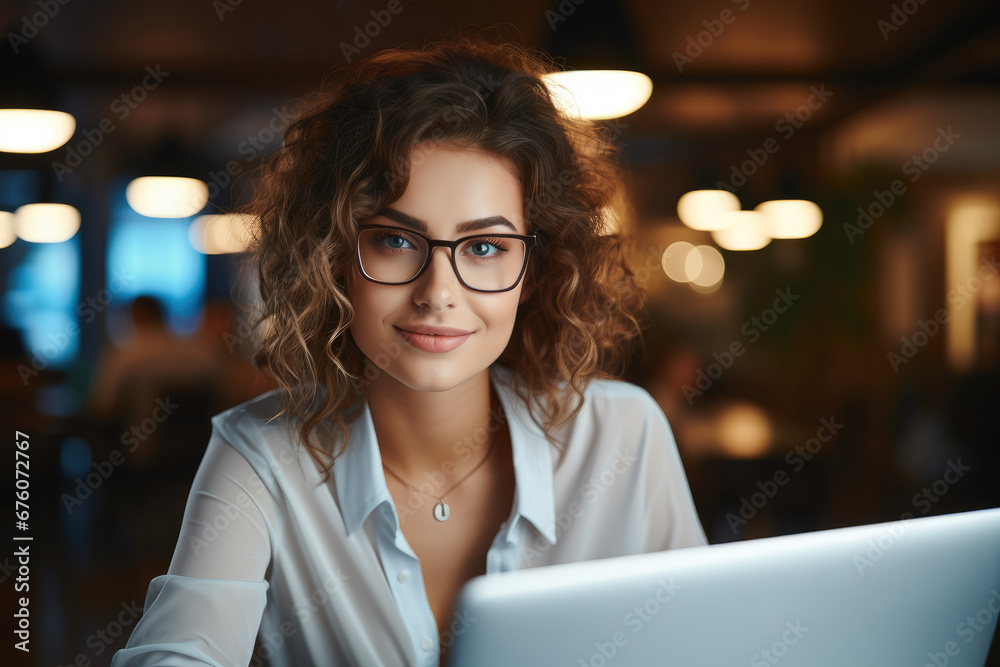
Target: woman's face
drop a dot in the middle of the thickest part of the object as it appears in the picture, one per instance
(448, 186)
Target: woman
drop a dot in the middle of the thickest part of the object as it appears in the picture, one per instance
(441, 307)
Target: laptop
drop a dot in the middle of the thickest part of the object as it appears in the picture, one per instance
(916, 592)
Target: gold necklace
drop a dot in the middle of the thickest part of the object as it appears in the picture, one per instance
(441, 510)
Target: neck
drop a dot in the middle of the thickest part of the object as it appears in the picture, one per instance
(422, 435)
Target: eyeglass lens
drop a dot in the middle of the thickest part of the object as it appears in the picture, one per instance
(483, 262)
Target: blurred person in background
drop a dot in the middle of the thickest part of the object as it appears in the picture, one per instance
(145, 380)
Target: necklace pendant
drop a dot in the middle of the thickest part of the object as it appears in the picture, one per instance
(442, 511)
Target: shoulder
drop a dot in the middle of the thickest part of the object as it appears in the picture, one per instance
(617, 394)
(257, 415)
(607, 403)
(619, 418)
(603, 396)
(258, 430)
(621, 405)
(265, 434)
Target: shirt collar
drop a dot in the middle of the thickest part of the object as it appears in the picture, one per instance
(360, 479)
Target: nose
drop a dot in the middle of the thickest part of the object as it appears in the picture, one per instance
(438, 287)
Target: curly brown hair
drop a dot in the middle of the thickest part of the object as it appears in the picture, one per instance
(346, 156)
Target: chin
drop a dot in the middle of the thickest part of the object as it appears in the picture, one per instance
(433, 376)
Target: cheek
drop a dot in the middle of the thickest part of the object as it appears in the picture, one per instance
(502, 314)
(368, 308)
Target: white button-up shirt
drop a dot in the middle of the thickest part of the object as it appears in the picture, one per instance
(320, 572)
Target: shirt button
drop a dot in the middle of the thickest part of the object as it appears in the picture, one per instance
(403, 576)
(425, 643)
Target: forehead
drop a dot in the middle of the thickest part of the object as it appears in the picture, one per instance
(449, 185)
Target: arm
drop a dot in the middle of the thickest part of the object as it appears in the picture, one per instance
(207, 609)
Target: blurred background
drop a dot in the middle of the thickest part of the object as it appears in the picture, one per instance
(815, 213)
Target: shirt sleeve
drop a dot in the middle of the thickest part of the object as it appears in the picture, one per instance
(207, 609)
(192, 622)
(671, 516)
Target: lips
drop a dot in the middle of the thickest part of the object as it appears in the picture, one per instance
(435, 331)
(434, 339)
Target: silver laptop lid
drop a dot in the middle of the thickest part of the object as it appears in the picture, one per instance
(916, 592)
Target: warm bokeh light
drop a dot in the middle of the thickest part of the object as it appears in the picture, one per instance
(166, 196)
(971, 221)
(7, 235)
(746, 231)
(221, 234)
(34, 130)
(744, 431)
(791, 218)
(704, 266)
(46, 223)
(674, 261)
(705, 210)
(599, 94)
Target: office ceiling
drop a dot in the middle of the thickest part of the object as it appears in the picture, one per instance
(230, 62)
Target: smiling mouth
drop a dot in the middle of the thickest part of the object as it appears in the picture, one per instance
(443, 331)
(431, 342)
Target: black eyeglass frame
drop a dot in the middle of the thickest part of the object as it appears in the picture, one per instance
(529, 243)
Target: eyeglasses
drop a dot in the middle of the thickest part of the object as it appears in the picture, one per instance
(483, 263)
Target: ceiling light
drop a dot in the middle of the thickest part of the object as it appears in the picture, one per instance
(7, 235)
(598, 94)
(167, 196)
(745, 230)
(791, 218)
(221, 234)
(705, 210)
(34, 130)
(46, 223)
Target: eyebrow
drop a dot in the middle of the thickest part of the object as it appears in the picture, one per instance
(468, 226)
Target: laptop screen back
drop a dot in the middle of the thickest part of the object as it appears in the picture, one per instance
(916, 592)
